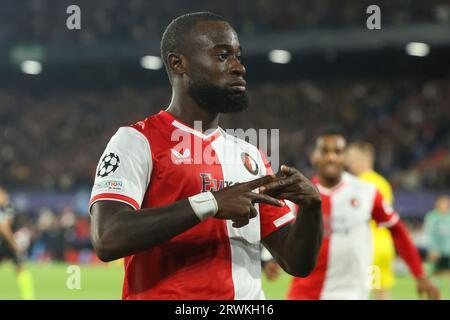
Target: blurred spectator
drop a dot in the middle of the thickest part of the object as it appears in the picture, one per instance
(50, 237)
(405, 119)
(57, 237)
(141, 20)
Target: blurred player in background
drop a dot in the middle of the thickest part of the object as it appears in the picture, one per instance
(343, 270)
(360, 158)
(437, 232)
(9, 248)
(191, 229)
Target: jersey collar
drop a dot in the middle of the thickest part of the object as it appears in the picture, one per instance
(328, 191)
(169, 118)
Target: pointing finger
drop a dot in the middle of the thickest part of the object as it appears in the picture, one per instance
(263, 198)
(258, 182)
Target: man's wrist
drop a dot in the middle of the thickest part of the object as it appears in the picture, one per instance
(422, 276)
(310, 203)
(204, 205)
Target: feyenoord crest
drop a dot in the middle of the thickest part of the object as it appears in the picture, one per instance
(249, 163)
(109, 164)
(354, 202)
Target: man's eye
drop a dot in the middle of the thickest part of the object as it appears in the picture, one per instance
(223, 56)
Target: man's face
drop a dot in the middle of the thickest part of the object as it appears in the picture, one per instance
(215, 72)
(328, 156)
(443, 204)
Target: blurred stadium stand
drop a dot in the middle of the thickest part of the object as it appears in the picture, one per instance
(54, 125)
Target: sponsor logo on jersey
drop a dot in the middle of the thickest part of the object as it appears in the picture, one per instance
(249, 163)
(178, 158)
(210, 184)
(110, 162)
(110, 185)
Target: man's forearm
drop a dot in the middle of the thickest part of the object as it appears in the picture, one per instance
(302, 244)
(117, 231)
(126, 232)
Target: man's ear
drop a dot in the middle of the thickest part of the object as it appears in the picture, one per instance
(177, 63)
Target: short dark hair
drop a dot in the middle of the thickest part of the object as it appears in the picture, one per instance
(178, 28)
(332, 130)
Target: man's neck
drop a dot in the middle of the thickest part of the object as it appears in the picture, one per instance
(329, 183)
(363, 169)
(187, 110)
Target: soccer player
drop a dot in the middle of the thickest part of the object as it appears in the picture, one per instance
(343, 269)
(187, 215)
(437, 231)
(9, 249)
(360, 161)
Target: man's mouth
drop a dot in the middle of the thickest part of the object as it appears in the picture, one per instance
(238, 86)
(332, 166)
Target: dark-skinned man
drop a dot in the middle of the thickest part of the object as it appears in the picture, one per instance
(187, 216)
(343, 269)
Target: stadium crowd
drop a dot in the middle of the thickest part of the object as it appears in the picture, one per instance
(140, 20)
(54, 236)
(52, 141)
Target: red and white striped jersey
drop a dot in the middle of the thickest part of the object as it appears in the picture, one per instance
(343, 269)
(160, 160)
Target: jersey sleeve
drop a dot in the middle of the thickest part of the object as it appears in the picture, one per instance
(272, 218)
(407, 249)
(124, 169)
(385, 216)
(383, 213)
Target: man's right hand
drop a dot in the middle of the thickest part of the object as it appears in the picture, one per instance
(236, 202)
(271, 269)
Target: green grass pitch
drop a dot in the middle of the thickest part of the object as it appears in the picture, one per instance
(105, 282)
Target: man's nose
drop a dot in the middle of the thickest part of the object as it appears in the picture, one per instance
(237, 68)
(331, 156)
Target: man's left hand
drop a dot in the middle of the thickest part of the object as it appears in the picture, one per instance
(425, 288)
(292, 186)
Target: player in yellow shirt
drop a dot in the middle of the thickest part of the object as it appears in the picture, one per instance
(360, 162)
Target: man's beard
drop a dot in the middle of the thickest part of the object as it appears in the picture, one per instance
(215, 99)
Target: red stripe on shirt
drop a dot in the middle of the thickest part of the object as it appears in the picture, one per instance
(115, 196)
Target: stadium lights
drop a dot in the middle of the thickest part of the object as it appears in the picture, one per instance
(417, 49)
(31, 67)
(279, 56)
(151, 62)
